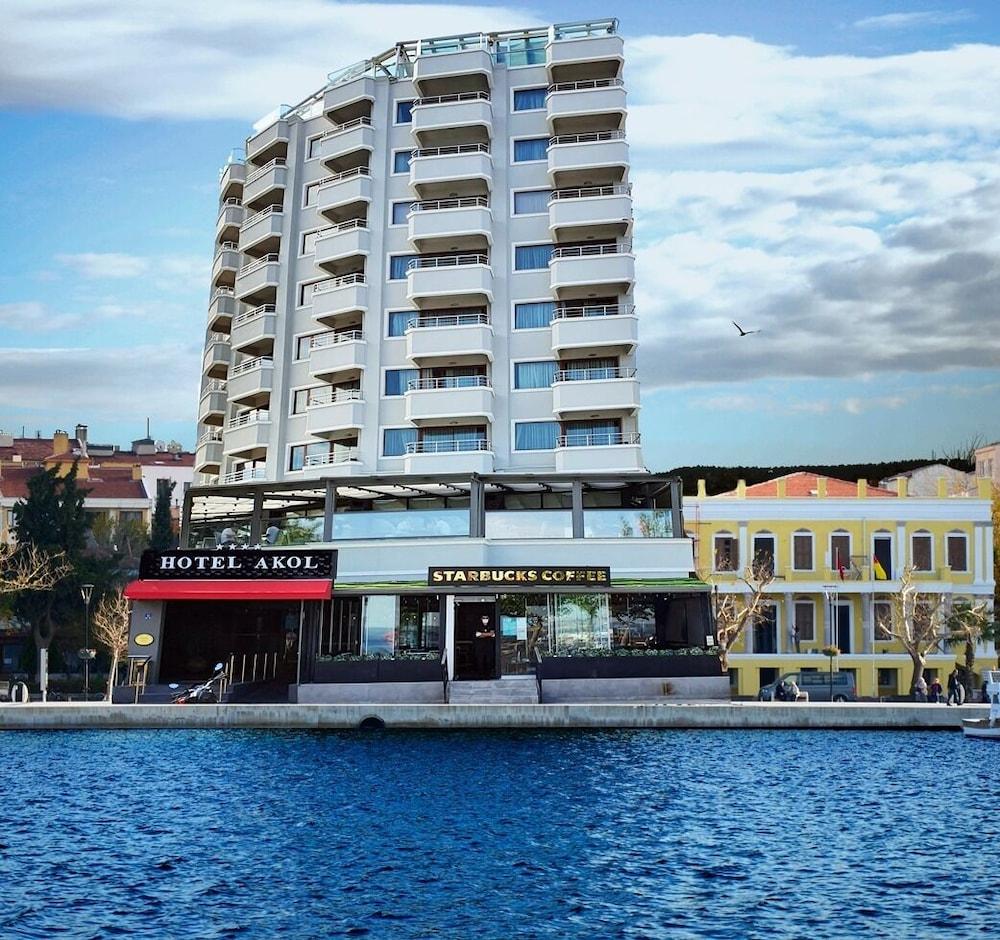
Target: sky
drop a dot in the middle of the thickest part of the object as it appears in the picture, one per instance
(826, 173)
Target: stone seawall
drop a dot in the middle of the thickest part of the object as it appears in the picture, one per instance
(858, 716)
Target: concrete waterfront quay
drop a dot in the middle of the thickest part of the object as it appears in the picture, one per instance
(856, 716)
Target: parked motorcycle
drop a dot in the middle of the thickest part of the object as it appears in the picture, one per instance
(203, 694)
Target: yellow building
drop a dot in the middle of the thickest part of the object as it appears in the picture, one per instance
(831, 542)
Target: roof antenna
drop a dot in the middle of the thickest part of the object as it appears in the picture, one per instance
(147, 427)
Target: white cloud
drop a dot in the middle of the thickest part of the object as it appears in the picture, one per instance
(914, 20)
(105, 266)
(32, 316)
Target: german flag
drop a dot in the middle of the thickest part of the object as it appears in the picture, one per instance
(880, 574)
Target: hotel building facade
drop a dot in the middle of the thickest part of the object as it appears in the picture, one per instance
(420, 357)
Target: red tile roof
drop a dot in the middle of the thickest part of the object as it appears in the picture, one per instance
(106, 483)
(802, 484)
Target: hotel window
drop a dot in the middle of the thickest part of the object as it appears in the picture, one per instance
(840, 552)
(399, 212)
(530, 149)
(309, 242)
(534, 374)
(398, 320)
(958, 551)
(404, 112)
(299, 453)
(595, 433)
(303, 346)
(394, 441)
(401, 161)
(921, 551)
(530, 99)
(805, 621)
(532, 257)
(764, 550)
(536, 435)
(313, 149)
(727, 552)
(533, 316)
(802, 551)
(882, 615)
(300, 399)
(399, 265)
(531, 201)
(398, 380)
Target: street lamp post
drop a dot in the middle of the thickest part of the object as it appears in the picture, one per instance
(87, 654)
(832, 594)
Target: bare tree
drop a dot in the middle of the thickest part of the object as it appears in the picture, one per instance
(733, 612)
(111, 628)
(27, 568)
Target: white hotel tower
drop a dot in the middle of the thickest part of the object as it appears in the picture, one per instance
(426, 268)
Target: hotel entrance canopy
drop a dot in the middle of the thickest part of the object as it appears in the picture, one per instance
(235, 590)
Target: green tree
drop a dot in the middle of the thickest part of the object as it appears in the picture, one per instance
(161, 537)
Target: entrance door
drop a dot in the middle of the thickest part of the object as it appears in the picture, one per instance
(843, 624)
(476, 641)
(882, 550)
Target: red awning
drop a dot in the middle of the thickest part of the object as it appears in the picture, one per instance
(303, 589)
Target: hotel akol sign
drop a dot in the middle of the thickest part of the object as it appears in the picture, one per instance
(243, 563)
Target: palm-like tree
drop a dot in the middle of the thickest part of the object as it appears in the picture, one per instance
(970, 624)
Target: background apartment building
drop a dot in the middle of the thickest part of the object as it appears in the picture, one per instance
(426, 266)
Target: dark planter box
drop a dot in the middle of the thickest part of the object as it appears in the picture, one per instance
(629, 667)
(379, 670)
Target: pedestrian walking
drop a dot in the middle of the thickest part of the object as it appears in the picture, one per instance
(920, 689)
(985, 689)
(953, 685)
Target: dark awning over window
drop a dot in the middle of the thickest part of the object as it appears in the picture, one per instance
(301, 589)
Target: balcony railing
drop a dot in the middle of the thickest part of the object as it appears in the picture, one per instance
(449, 381)
(335, 339)
(257, 265)
(347, 226)
(456, 446)
(264, 170)
(209, 436)
(585, 86)
(257, 312)
(593, 375)
(244, 476)
(594, 137)
(256, 416)
(332, 396)
(343, 455)
(332, 283)
(452, 99)
(449, 261)
(449, 151)
(469, 202)
(223, 292)
(248, 365)
(263, 214)
(588, 192)
(232, 202)
(226, 246)
(344, 175)
(455, 319)
(217, 338)
(586, 251)
(598, 439)
(346, 126)
(606, 310)
(213, 385)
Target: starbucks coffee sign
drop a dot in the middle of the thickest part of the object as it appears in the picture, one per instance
(542, 576)
(242, 563)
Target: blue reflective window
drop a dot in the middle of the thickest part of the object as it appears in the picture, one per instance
(398, 320)
(531, 257)
(534, 374)
(531, 148)
(401, 161)
(529, 99)
(397, 380)
(533, 316)
(394, 441)
(398, 265)
(399, 211)
(535, 435)
(404, 112)
(532, 200)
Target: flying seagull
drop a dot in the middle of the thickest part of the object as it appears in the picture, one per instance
(742, 331)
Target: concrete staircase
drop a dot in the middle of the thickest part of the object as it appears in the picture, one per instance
(512, 690)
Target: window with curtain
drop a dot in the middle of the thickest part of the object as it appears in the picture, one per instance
(404, 112)
(399, 212)
(805, 621)
(921, 551)
(532, 257)
(398, 265)
(531, 201)
(727, 552)
(529, 99)
(802, 551)
(516, 53)
(394, 441)
(398, 320)
(958, 551)
(533, 316)
(530, 148)
(401, 161)
(397, 380)
(535, 435)
(595, 433)
(534, 374)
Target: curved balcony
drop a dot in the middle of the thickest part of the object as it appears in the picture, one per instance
(231, 215)
(208, 453)
(585, 50)
(597, 211)
(606, 391)
(599, 158)
(599, 452)
(226, 265)
(338, 296)
(221, 310)
(343, 245)
(257, 282)
(465, 223)
(465, 278)
(215, 362)
(335, 411)
(431, 401)
(334, 356)
(435, 171)
(253, 331)
(251, 381)
(578, 270)
(459, 456)
(438, 71)
(338, 145)
(247, 435)
(260, 234)
(444, 120)
(212, 407)
(350, 98)
(461, 338)
(336, 192)
(231, 180)
(266, 185)
(602, 330)
(585, 106)
(268, 143)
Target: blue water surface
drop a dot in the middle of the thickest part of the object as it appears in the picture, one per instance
(626, 834)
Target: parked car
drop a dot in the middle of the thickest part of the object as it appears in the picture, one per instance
(818, 684)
